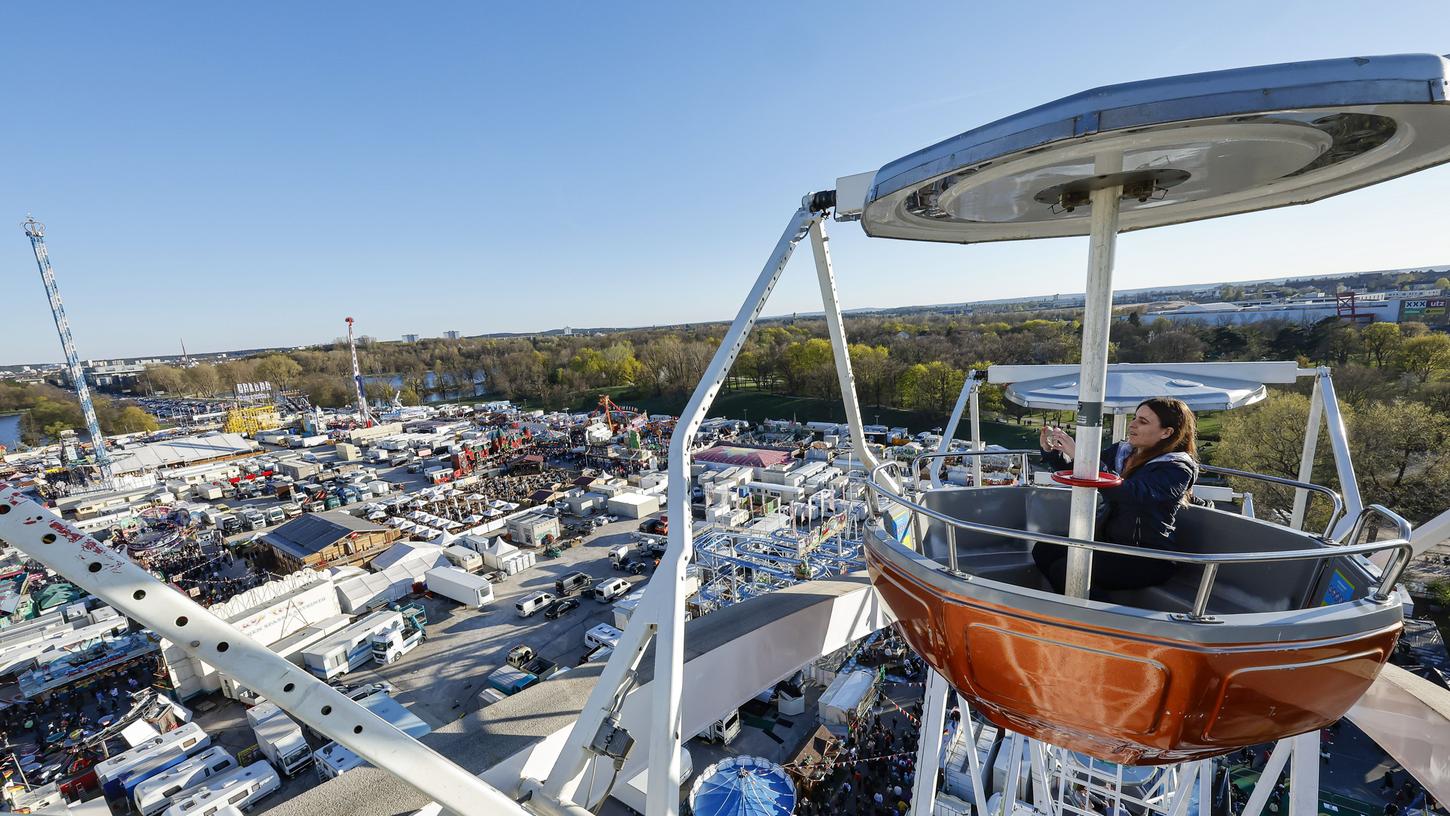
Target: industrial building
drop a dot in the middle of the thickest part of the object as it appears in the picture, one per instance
(329, 538)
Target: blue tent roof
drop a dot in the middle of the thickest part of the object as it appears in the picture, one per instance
(743, 786)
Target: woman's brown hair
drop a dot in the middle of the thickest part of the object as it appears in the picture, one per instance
(1171, 413)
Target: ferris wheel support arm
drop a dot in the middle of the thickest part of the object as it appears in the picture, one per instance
(928, 749)
(1097, 315)
(1343, 459)
(967, 396)
(667, 591)
(825, 275)
(120, 582)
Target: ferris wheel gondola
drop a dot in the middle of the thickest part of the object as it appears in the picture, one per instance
(1264, 631)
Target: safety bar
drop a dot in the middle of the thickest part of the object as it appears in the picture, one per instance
(1279, 480)
(1209, 561)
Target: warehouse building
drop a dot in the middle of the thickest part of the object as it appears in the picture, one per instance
(333, 538)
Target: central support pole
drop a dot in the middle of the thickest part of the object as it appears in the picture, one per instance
(1092, 381)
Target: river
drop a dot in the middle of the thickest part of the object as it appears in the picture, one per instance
(10, 431)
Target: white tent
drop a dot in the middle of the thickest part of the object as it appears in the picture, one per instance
(361, 592)
(846, 695)
(410, 551)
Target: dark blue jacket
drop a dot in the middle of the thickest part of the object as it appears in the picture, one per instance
(1142, 510)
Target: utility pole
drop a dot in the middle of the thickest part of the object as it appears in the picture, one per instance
(36, 231)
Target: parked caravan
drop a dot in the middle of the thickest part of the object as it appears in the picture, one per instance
(119, 775)
(601, 635)
(155, 794)
(343, 651)
(239, 788)
(333, 759)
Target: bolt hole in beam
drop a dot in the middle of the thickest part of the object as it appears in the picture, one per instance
(48, 538)
(138, 594)
(326, 710)
(289, 687)
(223, 646)
(95, 566)
(4, 508)
(181, 621)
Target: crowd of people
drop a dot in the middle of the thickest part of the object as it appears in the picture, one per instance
(43, 732)
(206, 569)
(873, 770)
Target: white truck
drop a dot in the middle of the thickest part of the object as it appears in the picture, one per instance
(464, 587)
(350, 648)
(279, 738)
(390, 646)
(619, 555)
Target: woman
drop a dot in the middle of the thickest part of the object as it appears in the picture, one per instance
(1157, 462)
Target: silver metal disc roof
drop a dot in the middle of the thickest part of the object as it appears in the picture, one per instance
(1127, 388)
(1214, 144)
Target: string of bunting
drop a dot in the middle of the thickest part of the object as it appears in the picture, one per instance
(846, 763)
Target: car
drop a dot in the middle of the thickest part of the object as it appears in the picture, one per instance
(494, 576)
(639, 567)
(561, 607)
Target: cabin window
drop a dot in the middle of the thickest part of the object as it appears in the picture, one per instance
(171, 791)
(221, 766)
(241, 796)
(188, 743)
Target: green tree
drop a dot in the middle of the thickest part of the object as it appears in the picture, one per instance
(1268, 438)
(278, 369)
(1426, 357)
(132, 419)
(1401, 457)
(165, 379)
(1381, 343)
(931, 386)
(409, 397)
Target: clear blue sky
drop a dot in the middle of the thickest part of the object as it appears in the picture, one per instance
(249, 174)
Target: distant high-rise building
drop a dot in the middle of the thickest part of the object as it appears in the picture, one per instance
(568, 332)
(410, 338)
(452, 335)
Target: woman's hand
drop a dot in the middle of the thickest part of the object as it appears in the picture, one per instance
(1056, 439)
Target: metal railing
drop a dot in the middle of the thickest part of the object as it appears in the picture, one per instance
(1279, 480)
(1399, 547)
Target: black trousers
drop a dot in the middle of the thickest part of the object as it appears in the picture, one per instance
(1110, 570)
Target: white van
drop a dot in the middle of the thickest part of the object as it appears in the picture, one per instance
(601, 635)
(153, 795)
(611, 589)
(534, 603)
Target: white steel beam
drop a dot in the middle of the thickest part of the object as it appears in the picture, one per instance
(669, 583)
(1306, 458)
(138, 595)
(968, 394)
(928, 747)
(1304, 776)
(1343, 460)
(836, 328)
(1268, 777)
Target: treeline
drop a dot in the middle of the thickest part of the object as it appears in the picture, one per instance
(48, 411)
(915, 363)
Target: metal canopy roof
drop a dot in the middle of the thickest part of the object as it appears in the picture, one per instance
(1206, 145)
(1128, 387)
